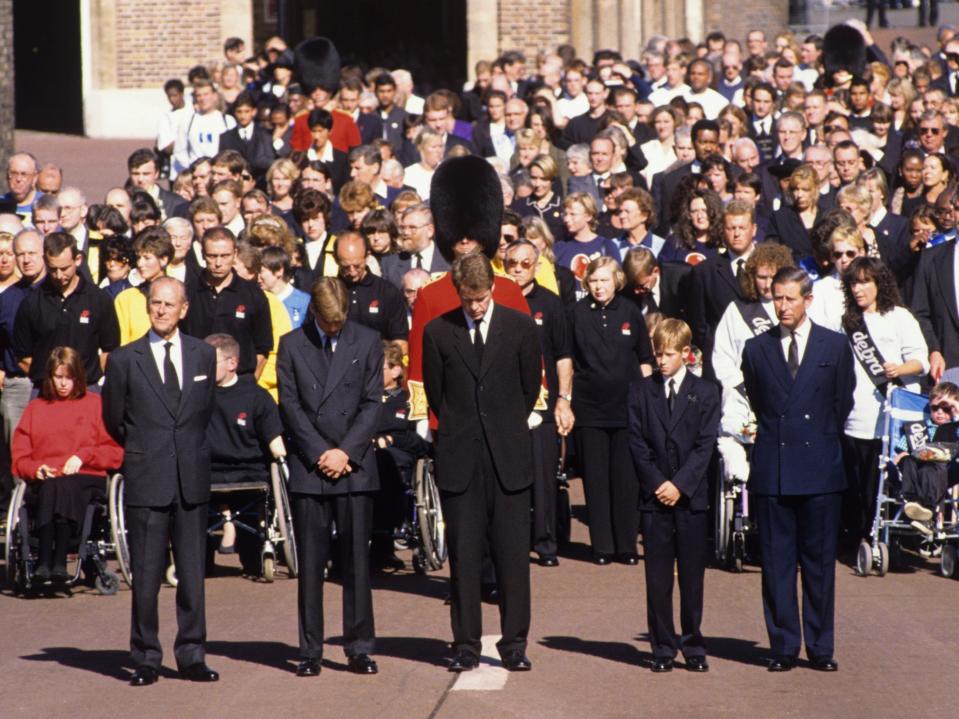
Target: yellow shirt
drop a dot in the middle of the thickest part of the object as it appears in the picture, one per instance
(280, 319)
(545, 273)
(132, 315)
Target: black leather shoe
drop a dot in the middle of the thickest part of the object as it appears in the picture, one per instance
(517, 661)
(42, 573)
(548, 560)
(362, 664)
(463, 662)
(308, 668)
(824, 664)
(781, 664)
(60, 575)
(602, 559)
(629, 558)
(144, 676)
(199, 672)
(697, 664)
(662, 665)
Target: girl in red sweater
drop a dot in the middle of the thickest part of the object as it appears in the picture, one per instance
(62, 448)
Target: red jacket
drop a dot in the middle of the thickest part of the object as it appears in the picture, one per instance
(344, 136)
(51, 432)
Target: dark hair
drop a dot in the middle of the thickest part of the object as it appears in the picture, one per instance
(715, 160)
(868, 269)
(69, 358)
(142, 156)
(143, 211)
(714, 210)
(174, 84)
(233, 43)
(384, 78)
(379, 220)
(750, 180)
(110, 218)
(276, 259)
(309, 203)
(320, 118)
(704, 126)
(56, 242)
(369, 154)
(472, 272)
(244, 99)
(116, 248)
(786, 275)
(154, 240)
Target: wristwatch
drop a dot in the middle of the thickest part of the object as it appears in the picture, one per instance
(567, 397)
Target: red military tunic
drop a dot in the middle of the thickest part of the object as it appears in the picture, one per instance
(433, 300)
(344, 136)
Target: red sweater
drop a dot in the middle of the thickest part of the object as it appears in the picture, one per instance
(51, 432)
(344, 136)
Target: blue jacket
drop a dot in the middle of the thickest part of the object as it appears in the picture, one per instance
(799, 422)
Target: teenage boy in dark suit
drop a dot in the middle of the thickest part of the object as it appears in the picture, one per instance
(673, 422)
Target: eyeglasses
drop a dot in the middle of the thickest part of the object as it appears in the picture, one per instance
(848, 254)
(525, 264)
(509, 238)
(20, 175)
(929, 131)
(411, 228)
(943, 407)
(833, 128)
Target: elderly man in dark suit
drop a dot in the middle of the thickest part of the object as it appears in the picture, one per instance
(157, 403)
(799, 379)
(419, 251)
(481, 371)
(330, 374)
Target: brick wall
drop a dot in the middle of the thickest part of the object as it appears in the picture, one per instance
(770, 16)
(159, 40)
(533, 25)
(6, 82)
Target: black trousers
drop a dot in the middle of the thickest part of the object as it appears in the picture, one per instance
(611, 487)
(799, 530)
(861, 457)
(150, 531)
(545, 489)
(671, 538)
(925, 482)
(871, 7)
(486, 510)
(314, 515)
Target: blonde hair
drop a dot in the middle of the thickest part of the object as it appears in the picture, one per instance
(619, 277)
(329, 300)
(672, 334)
(284, 167)
(849, 235)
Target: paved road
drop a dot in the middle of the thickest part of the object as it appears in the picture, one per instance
(897, 649)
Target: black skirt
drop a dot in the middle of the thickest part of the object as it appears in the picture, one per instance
(65, 497)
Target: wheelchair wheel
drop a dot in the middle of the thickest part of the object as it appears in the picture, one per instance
(430, 514)
(284, 515)
(107, 583)
(564, 517)
(724, 513)
(882, 565)
(947, 565)
(11, 545)
(864, 559)
(269, 568)
(118, 527)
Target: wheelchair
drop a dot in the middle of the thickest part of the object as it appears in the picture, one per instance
(733, 525)
(265, 514)
(95, 546)
(425, 530)
(891, 528)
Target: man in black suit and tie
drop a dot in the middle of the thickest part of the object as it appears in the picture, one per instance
(144, 168)
(157, 403)
(934, 303)
(438, 116)
(715, 282)
(481, 371)
(799, 379)
(760, 128)
(656, 288)
(253, 142)
(330, 374)
(419, 251)
(673, 422)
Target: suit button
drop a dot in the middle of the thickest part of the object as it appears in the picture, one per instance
(782, 444)
(805, 416)
(807, 444)
(782, 416)
(481, 388)
(343, 412)
(314, 386)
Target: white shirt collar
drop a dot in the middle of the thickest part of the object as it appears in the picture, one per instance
(878, 216)
(175, 340)
(471, 324)
(802, 332)
(427, 254)
(677, 380)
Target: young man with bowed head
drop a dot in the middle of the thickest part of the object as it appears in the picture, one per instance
(800, 379)
(157, 403)
(330, 374)
(673, 423)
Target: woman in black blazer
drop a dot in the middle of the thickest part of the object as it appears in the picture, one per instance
(610, 349)
(793, 222)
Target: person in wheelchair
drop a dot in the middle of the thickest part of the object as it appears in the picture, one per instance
(62, 448)
(244, 434)
(927, 472)
(398, 446)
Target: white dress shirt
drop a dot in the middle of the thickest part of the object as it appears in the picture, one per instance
(334, 339)
(427, 254)
(484, 326)
(157, 347)
(802, 339)
(314, 248)
(676, 379)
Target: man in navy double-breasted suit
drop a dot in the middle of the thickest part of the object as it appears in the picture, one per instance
(800, 379)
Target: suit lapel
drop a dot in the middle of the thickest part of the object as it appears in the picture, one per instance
(342, 358)
(493, 343)
(190, 368)
(809, 362)
(776, 359)
(463, 344)
(148, 366)
(725, 271)
(658, 399)
(682, 401)
(313, 353)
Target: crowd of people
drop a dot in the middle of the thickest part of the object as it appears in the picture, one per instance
(657, 224)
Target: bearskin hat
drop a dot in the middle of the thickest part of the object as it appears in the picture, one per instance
(317, 64)
(843, 49)
(466, 198)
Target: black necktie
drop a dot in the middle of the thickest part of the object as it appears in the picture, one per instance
(171, 382)
(793, 360)
(478, 343)
(328, 347)
(419, 260)
(955, 84)
(671, 395)
(739, 268)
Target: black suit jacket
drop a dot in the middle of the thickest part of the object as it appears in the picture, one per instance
(370, 125)
(712, 287)
(798, 419)
(172, 204)
(486, 403)
(258, 151)
(162, 444)
(482, 139)
(331, 405)
(398, 264)
(934, 301)
(664, 189)
(892, 237)
(673, 446)
(787, 225)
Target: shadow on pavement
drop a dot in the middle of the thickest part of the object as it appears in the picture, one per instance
(276, 655)
(735, 650)
(427, 650)
(113, 663)
(433, 586)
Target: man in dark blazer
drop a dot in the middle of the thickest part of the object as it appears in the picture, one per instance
(799, 379)
(330, 375)
(417, 234)
(253, 142)
(714, 283)
(934, 304)
(481, 371)
(673, 423)
(656, 288)
(157, 403)
(143, 167)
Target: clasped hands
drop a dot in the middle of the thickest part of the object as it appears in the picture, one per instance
(71, 466)
(668, 493)
(334, 463)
